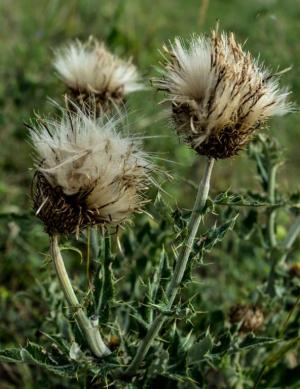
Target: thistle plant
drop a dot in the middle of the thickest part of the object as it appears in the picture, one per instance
(219, 96)
(89, 175)
(95, 77)
(98, 82)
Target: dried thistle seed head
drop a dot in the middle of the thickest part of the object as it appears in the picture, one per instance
(250, 317)
(95, 77)
(294, 270)
(219, 94)
(86, 173)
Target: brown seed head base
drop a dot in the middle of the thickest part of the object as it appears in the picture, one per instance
(250, 317)
(62, 214)
(99, 103)
(221, 144)
(295, 270)
(218, 117)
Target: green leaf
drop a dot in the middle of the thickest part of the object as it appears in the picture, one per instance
(71, 248)
(156, 285)
(37, 355)
(276, 355)
(252, 341)
(104, 290)
(215, 235)
(11, 355)
(200, 349)
(239, 200)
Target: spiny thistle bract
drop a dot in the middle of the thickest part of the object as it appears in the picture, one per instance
(94, 76)
(86, 173)
(219, 94)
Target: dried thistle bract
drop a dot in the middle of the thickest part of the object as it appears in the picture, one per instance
(86, 173)
(95, 77)
(250, 317)
(219, 94)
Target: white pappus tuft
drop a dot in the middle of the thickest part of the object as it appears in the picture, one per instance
(86, 173)
(219, 93)
(89, 69)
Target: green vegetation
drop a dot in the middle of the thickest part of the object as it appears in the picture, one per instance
(233, 258)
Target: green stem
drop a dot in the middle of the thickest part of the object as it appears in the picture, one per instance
(94, 241)
(259, 377)
(179, 270)
(271, 231)
(272, 215)
(292, 234)
(89, 328)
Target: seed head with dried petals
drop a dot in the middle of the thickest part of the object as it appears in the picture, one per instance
(219, 94)
(86, 173)
(94, 76)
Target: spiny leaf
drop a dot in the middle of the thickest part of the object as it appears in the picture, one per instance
(198, 351)
(156, 284)
(215, 235)
(11, 355)
(239, 200)
(37, 355)
(252, 341)
(276, 355)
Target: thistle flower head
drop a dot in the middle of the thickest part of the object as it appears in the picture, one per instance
(250, 317)
(94, 75)
(86, 173)
(219, 94)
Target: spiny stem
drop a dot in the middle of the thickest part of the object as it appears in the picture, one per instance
(180, 267)
(89, 329)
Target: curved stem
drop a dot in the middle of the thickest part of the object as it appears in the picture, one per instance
(180, 267)
(89, 328)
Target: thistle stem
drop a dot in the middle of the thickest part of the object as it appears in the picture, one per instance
(89, 329)
(179, 270)
(272, 215)
(271, 230)
(289, 240)
(292, 234)
(94, 241)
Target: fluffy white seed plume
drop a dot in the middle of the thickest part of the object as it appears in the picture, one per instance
(86, 173)
(92, 73)
(219, 93)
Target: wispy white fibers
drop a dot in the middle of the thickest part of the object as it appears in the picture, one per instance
(89, 67)
(87, 172)
(219, 93)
